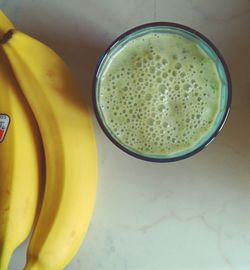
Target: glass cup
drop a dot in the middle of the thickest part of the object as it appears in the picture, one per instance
(207, 46)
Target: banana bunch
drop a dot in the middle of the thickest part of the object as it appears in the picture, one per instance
(42, 120)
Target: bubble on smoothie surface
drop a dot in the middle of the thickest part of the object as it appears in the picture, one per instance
(160, 94)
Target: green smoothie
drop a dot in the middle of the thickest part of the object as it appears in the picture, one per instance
(159, 94)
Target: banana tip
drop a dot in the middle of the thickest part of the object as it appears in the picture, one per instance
(6, 28)
(7, 36)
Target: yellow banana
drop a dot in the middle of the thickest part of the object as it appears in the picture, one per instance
(20, 165)
(70, 150)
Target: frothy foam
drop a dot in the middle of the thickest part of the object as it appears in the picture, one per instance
(159, 94)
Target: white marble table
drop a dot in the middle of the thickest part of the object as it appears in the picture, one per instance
(188, 215)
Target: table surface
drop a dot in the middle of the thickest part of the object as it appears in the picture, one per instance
(191, 214)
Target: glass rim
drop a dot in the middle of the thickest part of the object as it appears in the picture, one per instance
(213, 135)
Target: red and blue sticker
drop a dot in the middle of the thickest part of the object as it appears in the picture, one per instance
(4, 124)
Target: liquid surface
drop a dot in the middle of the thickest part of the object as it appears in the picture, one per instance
(159, 94)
